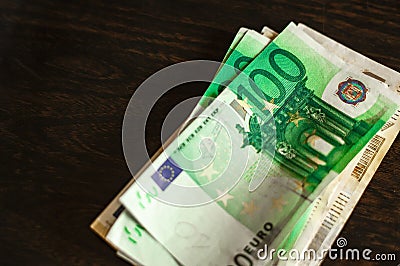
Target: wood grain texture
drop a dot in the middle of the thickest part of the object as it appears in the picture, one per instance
(68, 70)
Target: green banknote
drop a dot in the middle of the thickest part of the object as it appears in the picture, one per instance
(322, 114)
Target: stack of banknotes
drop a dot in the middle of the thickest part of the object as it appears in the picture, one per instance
(288, 144)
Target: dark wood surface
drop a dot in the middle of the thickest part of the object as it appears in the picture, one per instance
(68, 70)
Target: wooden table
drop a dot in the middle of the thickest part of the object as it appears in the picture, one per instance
(68, 70)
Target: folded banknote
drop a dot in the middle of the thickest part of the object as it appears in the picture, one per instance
(316, 145)
(284, 118)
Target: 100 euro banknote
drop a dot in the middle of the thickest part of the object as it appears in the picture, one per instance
(317, 132)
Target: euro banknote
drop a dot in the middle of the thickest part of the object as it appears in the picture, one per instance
(117, 204)
(300, 171)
